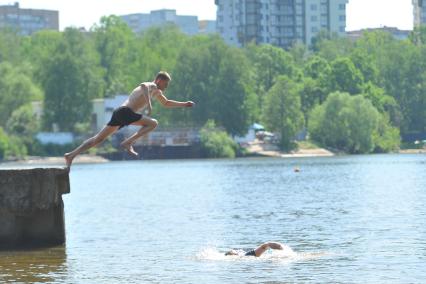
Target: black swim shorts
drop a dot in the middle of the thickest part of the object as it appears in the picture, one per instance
(251, 253)
(123, 116)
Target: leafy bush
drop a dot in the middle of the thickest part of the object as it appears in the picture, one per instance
(11, 146)
(216, 143)
(344, 122)
(386, 138)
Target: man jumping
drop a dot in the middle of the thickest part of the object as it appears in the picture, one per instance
(129, 113)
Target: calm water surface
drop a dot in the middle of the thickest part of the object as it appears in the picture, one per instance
(357, 219)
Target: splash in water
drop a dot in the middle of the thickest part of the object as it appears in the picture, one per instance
(285, 255)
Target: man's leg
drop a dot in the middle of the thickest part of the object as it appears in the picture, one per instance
(89, 143)
(148, 124)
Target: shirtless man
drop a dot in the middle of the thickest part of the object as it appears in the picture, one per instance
(128, 113)
(257, 252)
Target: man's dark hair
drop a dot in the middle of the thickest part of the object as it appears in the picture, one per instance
(163, 75)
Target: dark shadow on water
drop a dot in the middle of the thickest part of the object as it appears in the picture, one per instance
(33, 265)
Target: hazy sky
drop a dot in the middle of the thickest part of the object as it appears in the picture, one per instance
(79, 13)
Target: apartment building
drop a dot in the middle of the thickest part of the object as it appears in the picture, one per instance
(187, 24)
(28, 21)
(395, 32)
(419, 12)
(278, 22)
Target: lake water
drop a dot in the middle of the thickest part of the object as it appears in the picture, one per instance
(351, 219)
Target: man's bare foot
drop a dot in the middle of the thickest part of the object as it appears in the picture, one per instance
(68, 159)
(129, 149)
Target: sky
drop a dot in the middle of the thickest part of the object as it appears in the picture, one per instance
(84, 13)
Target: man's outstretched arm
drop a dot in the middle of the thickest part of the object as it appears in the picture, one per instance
(263, 247)
(171, 103)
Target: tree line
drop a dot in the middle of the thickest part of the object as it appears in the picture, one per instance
(355, 96)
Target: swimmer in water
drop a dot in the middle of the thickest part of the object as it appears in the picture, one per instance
(257, 251)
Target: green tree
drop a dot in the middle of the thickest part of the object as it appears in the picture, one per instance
(24, 124)
(345, 77)
(268, 62)
(317, 88)
(311, 95)
(195, 77)
(71, 78)
(385, 104)
(16, 89)
(37, 48)
(403, 73)
(10, 42)
(10, 146)
(282, 112)
(113, 40)
(365, 63)
(386, 138)
(216, 143)
(215, 76)
(158, 48)
(345, 122)
(234, 98)
(330, 46)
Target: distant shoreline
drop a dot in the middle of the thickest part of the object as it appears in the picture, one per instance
(94, 159)
(412, 151)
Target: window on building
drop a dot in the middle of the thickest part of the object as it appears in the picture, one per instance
(289, 32)
(314, 18)
(342, 29)
(342, 7)
(314, 29)
(314, 7)
(342, 18)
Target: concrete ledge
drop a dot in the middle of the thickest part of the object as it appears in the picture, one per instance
(31, 207)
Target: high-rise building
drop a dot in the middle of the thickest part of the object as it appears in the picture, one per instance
(278, 22)
(28, 21)
(207, 27)
(419, 12)
(141, 22)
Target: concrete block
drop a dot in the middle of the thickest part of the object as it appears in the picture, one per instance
(31, 207)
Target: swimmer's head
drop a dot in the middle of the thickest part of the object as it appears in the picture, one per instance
(231, 252)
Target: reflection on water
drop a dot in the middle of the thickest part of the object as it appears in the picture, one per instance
(356, 219)
(39, 265)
